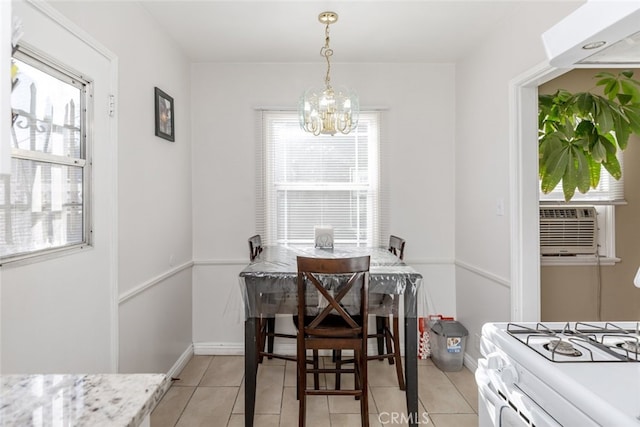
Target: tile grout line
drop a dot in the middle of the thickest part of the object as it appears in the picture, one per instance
(235, 401)
(194, 392)
(205, 370)
(185, 406)
(459, 383)
(461, 393)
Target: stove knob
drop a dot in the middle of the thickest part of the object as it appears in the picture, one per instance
(509, 374)
(495, 361)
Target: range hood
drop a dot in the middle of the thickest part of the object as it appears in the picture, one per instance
(600, 33)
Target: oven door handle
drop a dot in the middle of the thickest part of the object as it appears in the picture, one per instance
(484, 387)
(499, 412)
(488, 396)
(494, 392)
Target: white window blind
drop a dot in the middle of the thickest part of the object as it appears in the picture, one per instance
(305, 180)
(609, 191)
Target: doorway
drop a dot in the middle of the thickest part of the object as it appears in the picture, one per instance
(525, 249)
(526, 295)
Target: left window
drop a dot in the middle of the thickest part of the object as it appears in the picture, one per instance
(44, 203)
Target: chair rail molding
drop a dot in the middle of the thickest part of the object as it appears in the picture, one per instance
(238, 261)
(125, 296)
(409, 261)
(484, 273)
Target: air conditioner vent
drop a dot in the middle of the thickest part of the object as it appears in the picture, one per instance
(568, 230)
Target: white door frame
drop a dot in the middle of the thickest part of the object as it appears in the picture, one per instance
(524, 191)
(6, 30)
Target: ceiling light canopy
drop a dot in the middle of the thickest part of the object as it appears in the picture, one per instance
(328, 111)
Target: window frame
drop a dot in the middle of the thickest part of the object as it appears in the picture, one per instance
(54, 68)
(266, 200)
(604, 199)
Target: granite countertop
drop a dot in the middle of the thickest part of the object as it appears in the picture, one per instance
(111, 400)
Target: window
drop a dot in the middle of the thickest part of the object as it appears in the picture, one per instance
(44, 202)
(610, 192)
(307, 180)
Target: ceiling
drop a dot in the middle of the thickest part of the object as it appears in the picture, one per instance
(366, 31)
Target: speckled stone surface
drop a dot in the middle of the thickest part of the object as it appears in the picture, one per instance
(79, 400)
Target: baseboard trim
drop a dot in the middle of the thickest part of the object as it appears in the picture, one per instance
(218, 349)
(181, 362)
(237, 349)
(470, 362)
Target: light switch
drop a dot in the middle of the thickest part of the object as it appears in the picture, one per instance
(500, 207)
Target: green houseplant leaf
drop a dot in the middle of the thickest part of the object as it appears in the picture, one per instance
(555, 168)
(580, 133)
(583, 174)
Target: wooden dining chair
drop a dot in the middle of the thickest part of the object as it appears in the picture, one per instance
(396, 246)
(388, 332)
(266, 326)
(339, 322)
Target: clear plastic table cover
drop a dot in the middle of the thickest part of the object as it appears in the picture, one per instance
(269, 283)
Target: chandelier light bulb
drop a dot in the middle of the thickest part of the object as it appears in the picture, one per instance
(328, 111)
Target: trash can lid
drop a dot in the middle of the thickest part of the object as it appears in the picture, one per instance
(449, 328)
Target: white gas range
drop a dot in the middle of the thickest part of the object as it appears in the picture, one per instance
(559, 374)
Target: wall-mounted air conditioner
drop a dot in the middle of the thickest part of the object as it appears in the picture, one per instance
(568, 230)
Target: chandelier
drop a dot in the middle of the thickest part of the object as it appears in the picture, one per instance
(327, 111)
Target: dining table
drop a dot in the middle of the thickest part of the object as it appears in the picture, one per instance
(269, 287)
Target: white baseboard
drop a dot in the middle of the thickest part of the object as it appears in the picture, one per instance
(237, 349)
(218, 348)
(181, 362)
(470, 362)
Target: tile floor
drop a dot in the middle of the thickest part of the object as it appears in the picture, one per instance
(210, 392)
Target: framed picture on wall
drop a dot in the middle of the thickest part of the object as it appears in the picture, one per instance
(164, 116)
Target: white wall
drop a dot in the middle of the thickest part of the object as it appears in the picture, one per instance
(483, 239)
(419, 138)
(154, 185)
(185, 201)
(153, 232)
(58, 315)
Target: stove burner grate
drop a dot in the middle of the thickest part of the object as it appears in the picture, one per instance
(581, 342)
(565, 348)
(631, 346)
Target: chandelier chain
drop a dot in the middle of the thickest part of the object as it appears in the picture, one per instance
(327, 52)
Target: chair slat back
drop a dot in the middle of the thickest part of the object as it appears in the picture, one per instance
(255, 246)
(353, 276)
(396, 246)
